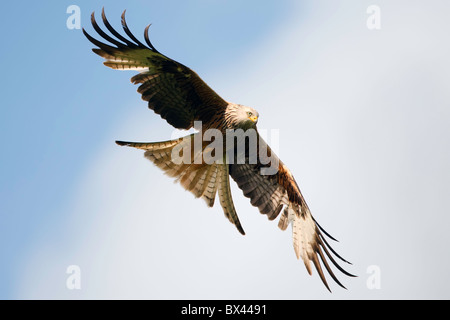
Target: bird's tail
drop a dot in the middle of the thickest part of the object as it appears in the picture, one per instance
(180, 159)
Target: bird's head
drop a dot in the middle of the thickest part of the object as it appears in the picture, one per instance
(245, 117)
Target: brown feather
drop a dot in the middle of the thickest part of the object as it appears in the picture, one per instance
(172, 90)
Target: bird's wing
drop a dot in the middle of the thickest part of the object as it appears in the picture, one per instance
(202, 179)
(271, 193)
(172, 90)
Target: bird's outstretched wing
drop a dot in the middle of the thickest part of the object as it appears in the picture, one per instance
(275, 192)
(172, 90)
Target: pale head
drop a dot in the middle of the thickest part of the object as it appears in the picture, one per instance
(239, 116)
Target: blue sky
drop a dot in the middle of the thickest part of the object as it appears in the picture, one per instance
(368, 111)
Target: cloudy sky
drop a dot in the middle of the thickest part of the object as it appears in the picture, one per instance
(364, 123)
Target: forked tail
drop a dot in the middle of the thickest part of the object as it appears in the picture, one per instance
(180, 160)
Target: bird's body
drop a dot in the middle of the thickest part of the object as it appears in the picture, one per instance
(227, 144)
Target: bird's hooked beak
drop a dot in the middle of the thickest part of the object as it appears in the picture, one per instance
(254, 118)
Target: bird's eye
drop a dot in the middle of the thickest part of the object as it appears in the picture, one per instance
(249, 114)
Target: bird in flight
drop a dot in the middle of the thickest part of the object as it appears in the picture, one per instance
(185, 101)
